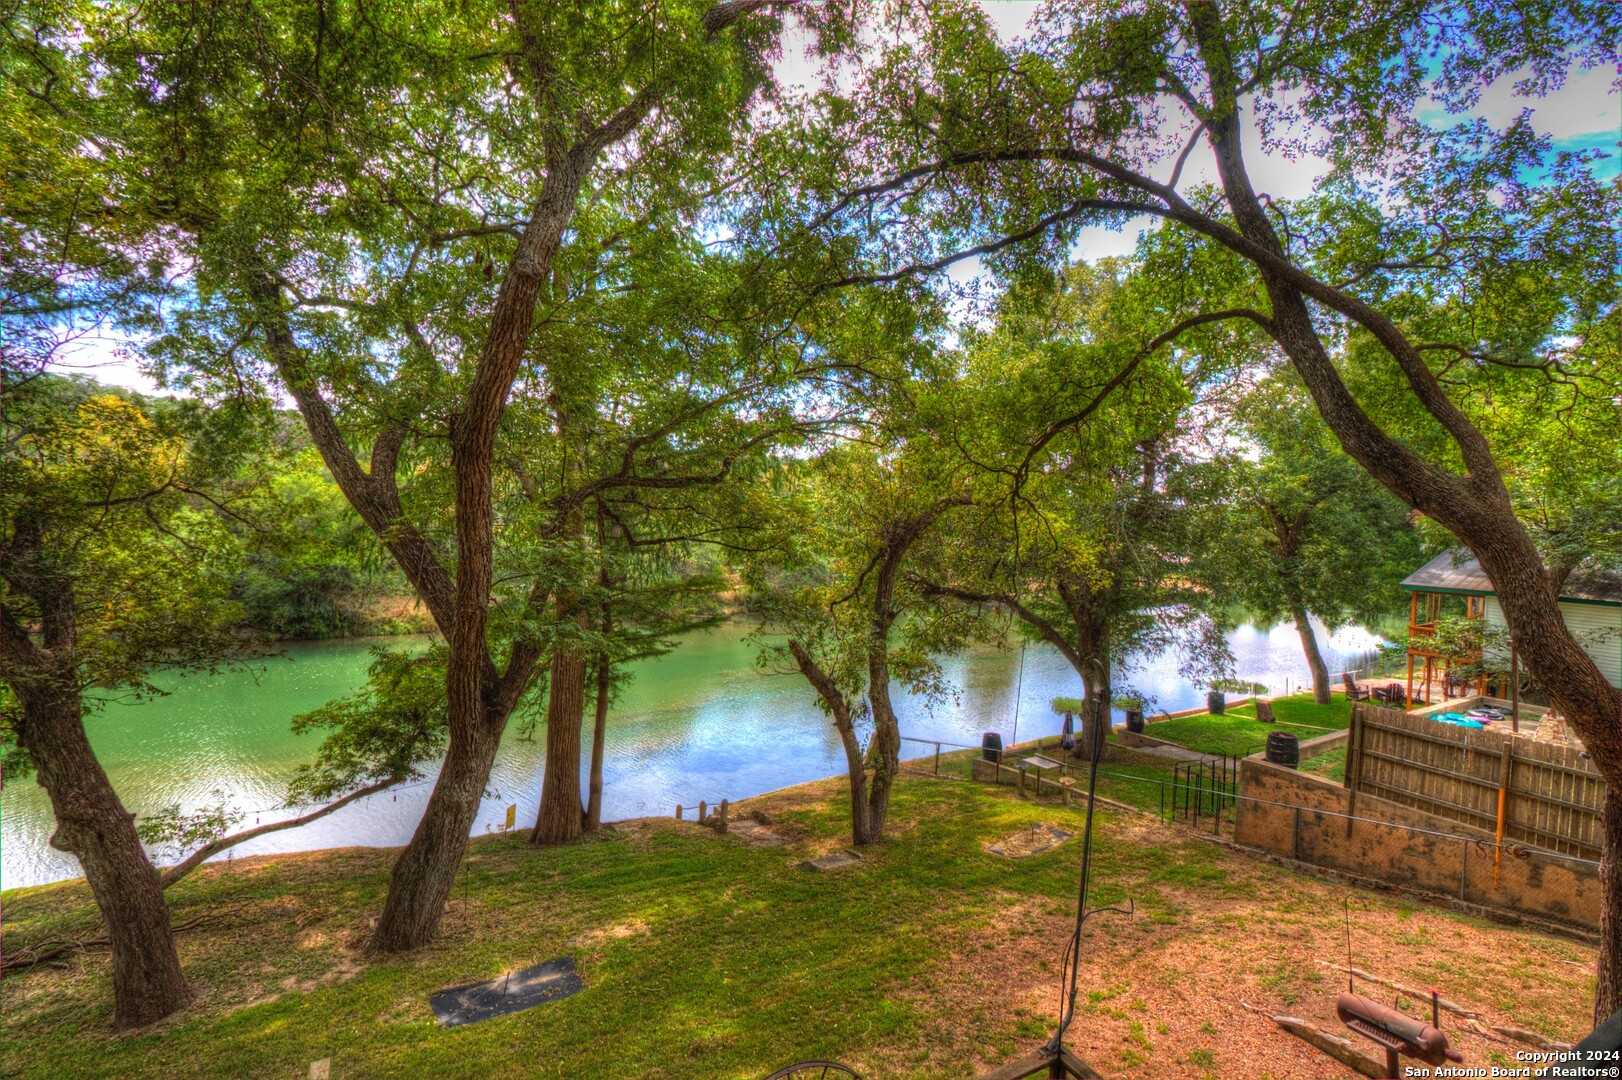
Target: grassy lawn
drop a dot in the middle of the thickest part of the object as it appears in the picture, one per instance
(1239, 732)
(704, 956)
(1330, 763)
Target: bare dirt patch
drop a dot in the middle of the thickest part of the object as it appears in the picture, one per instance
(1161, 997)
(632, 928)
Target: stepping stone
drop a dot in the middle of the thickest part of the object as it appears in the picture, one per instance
(321, 1070)
(1032, 841)
(511, 993)
(832, 861)
(757, 835)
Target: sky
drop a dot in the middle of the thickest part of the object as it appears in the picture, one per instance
(1584, 114)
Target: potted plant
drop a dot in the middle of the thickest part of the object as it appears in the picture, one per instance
(1133, 705)
(1216, 701)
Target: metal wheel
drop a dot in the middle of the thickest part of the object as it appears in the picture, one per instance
(814, 1070)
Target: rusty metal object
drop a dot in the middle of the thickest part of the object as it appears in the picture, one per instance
(1396, 1031)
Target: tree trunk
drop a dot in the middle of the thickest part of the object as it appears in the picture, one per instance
(838, 706)
(420, 883)
(862, 830)
(1315, 659)
(560, 817)
(883, 753)
(599, 730)
(92, 825)
(1608, 993)
(1474, 506)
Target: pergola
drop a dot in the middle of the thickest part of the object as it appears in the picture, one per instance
(1424, 611)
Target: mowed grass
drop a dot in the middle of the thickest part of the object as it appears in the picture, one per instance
(705, 957)
(702, 956)
(1238, 732)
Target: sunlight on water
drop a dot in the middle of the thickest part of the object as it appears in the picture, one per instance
(701, 723)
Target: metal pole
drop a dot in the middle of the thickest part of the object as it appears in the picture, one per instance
(1019, 688)
(1464, 866)
(1514, 688)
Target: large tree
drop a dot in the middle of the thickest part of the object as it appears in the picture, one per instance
(1086, 525)
(1331, 543)
(839, 610)
(113, 562)
(1093, 119)
(379, 208)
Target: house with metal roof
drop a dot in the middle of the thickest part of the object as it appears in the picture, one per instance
(1454, 583)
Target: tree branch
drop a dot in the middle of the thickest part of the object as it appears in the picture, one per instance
(172, 874)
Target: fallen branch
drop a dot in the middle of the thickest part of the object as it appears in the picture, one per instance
(1336, 1047)
(174, 873)
(1409, 991)
(45, 951)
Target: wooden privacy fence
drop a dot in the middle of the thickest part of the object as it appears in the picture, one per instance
(1541, 795)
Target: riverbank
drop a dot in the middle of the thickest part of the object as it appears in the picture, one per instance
(706, 956)
(703, 722)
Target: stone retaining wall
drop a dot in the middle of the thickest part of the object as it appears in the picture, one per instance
(1293, 814)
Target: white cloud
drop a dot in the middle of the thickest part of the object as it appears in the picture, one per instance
(106, 358)
(1009, 17)
(1587, 103)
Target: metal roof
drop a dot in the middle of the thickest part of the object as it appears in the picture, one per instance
(1459, 572)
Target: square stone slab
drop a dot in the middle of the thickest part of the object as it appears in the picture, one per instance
(1031, 841)
(832, 861)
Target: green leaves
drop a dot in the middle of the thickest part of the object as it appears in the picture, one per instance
(386, 731)
(103, 514)
(1305, 528)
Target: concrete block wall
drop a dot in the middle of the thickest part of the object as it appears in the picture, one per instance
(1289, 813)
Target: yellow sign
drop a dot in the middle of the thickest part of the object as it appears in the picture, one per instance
(512, 814)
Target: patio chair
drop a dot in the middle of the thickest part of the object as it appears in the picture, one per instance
(1354, 692)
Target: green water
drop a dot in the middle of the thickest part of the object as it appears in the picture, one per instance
(700, 723)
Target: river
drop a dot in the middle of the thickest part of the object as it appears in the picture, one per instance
(700, 723)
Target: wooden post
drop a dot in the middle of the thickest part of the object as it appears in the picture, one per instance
(937, 759)
(721, 817)
(1408, 699)
(1354, 764)
(1022, 783)
(701, 806)
(678, 811)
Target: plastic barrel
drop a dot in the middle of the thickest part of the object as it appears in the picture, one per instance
(991, 746)
(1134, 720)
(1283, 749)
(1216, 702)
